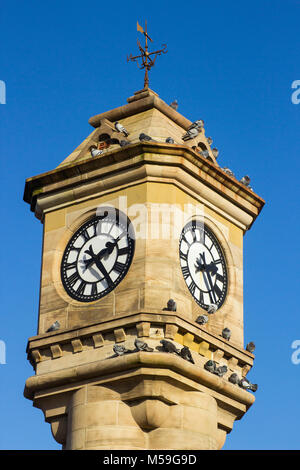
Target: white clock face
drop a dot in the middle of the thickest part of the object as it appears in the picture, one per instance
(203, 264)
(98, 256)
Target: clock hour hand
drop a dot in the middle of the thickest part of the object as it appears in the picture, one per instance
(96, 259)
(104, 253)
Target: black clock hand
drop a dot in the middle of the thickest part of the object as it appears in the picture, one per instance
(103, 271)
(95, 259)
(212, 268)
(102, 254)
(210, 286)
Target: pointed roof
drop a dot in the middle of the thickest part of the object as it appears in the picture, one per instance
(144, 113)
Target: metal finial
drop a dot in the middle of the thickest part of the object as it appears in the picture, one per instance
(145, 56)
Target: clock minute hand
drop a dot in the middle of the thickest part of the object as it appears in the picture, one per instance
(103, 271)
(207, 269)
(95, 259)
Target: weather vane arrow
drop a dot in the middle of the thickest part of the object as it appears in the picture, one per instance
(146, 60)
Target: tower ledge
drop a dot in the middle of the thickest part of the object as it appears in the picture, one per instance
(141, 101)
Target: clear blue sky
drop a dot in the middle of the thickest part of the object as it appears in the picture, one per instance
(230, 63)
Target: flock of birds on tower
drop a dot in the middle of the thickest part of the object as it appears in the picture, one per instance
(185, 353)
(193, 130)
(167, 346)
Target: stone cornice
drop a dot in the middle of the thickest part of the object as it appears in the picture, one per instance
(156, 317)
(155, 360)
(166, 155)
(142, 101)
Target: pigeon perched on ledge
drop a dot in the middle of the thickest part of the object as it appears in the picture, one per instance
(54, 327)
(247, 385)
(191, 134)
(234, 379)
(174, 105)
(169, 140)
(120, 128)
(123, 143)
(141, 346)
(250, 347)
(145, 138)
(215, 152)
(246, 181)
(211, 366)
(95, 152)
(171, 306)
(228, 171)
(212, 308)
(120, 350)
(169, 347)
(204, 153)
(226, 333)
(202, 319)
(221, 370)
(186, 354)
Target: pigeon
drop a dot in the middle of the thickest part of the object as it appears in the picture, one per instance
(169, 347)
(185, 353)
(210, 366)
(209, 140)
(54, 327)
(245, 180)
(190, 134)
(202, 319)
(215, 152)
(169, 140)
(197, 124)
(95, 152)
(228, 171)
(221, 370)
(171, 306)
(141, 346)
(204, 153)
(226, 333)
(123, 143)
(212, 308)
(174, 105)
(234, 379)
(121, 129)
(250, 347)
(247, 385)
(119, 349)
(145, 138)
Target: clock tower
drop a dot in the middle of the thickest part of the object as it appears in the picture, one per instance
(140, 340)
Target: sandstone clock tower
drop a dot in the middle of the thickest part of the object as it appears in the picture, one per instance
(140, 333)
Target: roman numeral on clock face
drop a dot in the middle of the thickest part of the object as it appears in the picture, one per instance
(192, 287)
(94, 289)
(73, 279)
(80, 288)
(183, 256)
(123, 251)
(119, 267)
(185, 272)
(71, 265)
(85, 235)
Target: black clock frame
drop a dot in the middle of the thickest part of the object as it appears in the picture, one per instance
(190, 226)
(109, 215)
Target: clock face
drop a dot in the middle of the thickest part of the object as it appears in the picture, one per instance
(203, 264)
(98, 256)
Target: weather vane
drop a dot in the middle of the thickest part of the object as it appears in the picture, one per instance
(147, 61)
